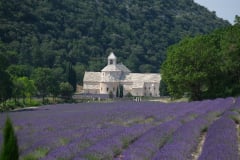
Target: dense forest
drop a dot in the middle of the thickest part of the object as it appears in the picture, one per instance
(46, 46)
(54, 33)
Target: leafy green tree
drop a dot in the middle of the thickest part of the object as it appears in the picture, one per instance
(66, 90)
(19, 70)
(57, 78)
(18, 89)
(230, 52)
(189, 70)
(28, 88)
(237, 20)
(163, 89)
(43, 79)
(10, 144)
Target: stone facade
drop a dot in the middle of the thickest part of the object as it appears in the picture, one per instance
(113, 75)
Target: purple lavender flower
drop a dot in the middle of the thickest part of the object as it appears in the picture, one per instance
(111, 130)
(221, 141)
(184, 140)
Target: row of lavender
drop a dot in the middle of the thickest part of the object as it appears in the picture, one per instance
(112, 146)
(222, 137)
(116, 130)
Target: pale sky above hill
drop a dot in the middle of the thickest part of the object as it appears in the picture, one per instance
(226, 9)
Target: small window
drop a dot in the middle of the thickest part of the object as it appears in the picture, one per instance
(107, 89)
(111, 61)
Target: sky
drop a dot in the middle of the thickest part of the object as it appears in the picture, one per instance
(226, 9)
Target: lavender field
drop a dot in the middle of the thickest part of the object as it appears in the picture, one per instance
(204, 130)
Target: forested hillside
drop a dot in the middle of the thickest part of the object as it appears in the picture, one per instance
(55, 33)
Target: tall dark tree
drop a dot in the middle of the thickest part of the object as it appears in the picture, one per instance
(5, 80)
(10, 143)
(121, 91)
(71, 76)
(117, 92)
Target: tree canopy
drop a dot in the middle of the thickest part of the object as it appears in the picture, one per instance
(206, 66)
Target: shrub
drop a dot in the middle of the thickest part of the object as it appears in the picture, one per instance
(10, 145)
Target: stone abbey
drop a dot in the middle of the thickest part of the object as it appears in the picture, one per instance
(113, 75)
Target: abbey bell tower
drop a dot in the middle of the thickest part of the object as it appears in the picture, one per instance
(112, 59)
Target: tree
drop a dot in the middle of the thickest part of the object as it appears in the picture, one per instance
(189, 70)
(19, 70)
(10, 143)
(163, 89)
(121, 91)
(5, 80)
(80, 69)
(43, 79)
(230, 52)
(66, 90)
(237, 20)
(117, 92)
(71, 76)
(57, 78)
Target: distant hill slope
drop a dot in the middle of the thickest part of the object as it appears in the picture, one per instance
(49, 33)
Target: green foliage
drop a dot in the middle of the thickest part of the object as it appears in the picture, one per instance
(119, 91)
(37, 154)
(19, 70)
(237, 20)
(23, 88)
(45, 81)
(51, 42)
(204, 66)
(66, 90)
(10, 144)
(71, 76)
(163, 89)
(51, 33)
(5, 80)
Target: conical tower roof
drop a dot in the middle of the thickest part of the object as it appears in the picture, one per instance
(112, 56)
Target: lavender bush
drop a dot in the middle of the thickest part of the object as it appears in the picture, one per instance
(185, 140)
(221, 141)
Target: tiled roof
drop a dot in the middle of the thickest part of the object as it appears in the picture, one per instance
(91, 86)
(92, 77)
(118, 67)
(143, 77)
